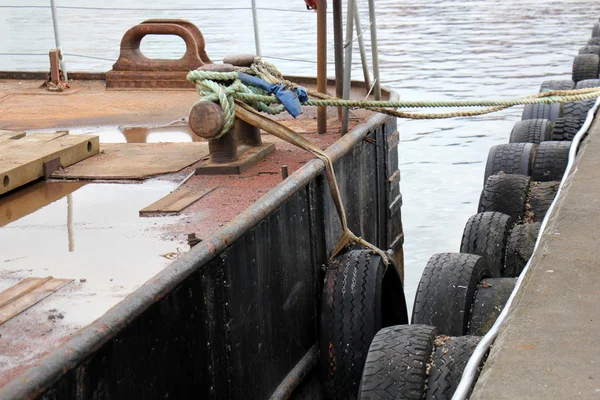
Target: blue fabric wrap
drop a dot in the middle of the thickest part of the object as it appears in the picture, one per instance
(302, 95)
(254, 81)
(290, 99)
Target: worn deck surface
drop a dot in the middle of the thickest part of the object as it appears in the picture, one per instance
(92, 232)
(136, 161)
(548, 348)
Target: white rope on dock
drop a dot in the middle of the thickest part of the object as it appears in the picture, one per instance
(482, 348)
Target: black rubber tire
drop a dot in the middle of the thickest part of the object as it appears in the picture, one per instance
(356, 303)
(564, 84)
(595, 41)
(596, 30)
(578, 109)
(588, 83)
(486, 235)
(396, 365)
(541, 196)
(449, 361)
(490, 299)
(531, 131)
(520, 248)
(507, 194)
(565, 129)
(542, 111)
(511, 158)
(590, 49)
(550, 161)
(445, 293)
(585, 66)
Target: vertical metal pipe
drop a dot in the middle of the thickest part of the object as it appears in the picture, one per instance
(57, 39)
(374, 49)
(361, 47)
(322, 62)
(338, 51)
(348, 60)
(256, 33)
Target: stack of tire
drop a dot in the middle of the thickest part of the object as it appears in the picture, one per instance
(460, 295)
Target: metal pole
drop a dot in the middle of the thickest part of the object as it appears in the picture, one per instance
(361, 46)
(348, 60)
(374, 49)
(338, 51)
(295, 377)
(57, 39)
(322, 62)
(256, 33)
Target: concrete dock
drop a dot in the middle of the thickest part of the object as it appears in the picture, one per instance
(548, 347)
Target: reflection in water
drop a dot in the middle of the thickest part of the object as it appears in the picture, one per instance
(33, 197)
(161, 134)
(70, 223)
(88, 232)
(43, 222)
(179, 134)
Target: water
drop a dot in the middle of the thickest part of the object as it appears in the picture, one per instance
(429, 50)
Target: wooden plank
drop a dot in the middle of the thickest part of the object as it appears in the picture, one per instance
(136, 160)
(33, 140)
(10, 135)
(26, 294)
(26, 285)
(27, 165)
(176, 201)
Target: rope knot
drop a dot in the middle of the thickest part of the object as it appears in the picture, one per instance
(223, 88)
(218, 87)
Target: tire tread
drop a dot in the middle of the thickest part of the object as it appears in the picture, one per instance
(550, 161)
(486, 235)
(445, 292)
(397, 362)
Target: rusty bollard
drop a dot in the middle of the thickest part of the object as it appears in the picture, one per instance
(241, 147)
(207, 120)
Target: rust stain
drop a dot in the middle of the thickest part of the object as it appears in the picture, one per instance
(524, 346)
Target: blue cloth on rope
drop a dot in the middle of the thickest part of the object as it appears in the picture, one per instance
(289, 98)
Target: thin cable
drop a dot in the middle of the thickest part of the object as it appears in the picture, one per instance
(113, 60)
(159, 9)
(91, 57)
(15, 6)
(46, 55)
(482, 348)
(292, 59)
(23, 54)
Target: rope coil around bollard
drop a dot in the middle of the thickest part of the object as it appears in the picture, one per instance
(246, 102)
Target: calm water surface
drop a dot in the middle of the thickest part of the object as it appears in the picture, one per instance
(429, 50)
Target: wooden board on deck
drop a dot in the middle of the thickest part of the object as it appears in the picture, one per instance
(136, 160)
(176, 201)
(22, 160)
(26, 293)
(33, 140)
(10, 135)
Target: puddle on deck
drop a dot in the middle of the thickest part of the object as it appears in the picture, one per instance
(177, 133)
(89, 231)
